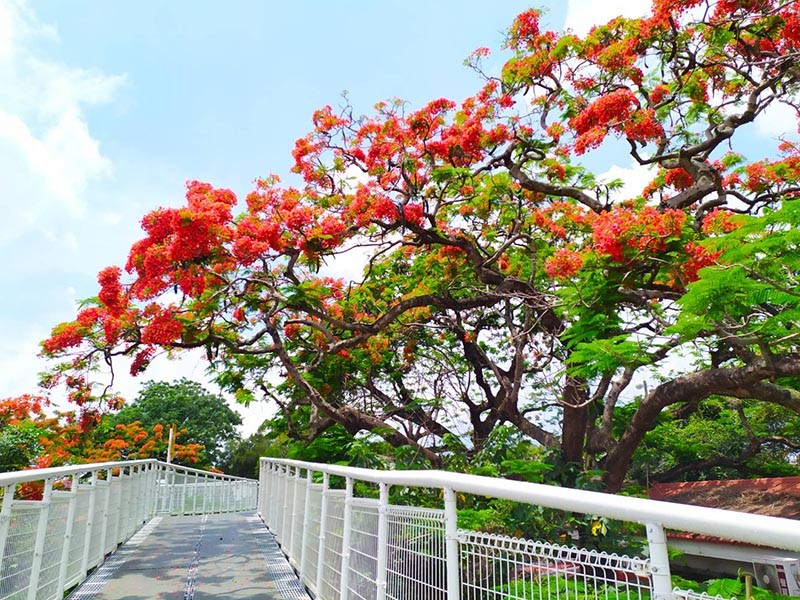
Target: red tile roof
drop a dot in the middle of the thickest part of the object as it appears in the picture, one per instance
(773, 496)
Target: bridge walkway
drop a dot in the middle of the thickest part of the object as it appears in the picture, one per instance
(228, 556)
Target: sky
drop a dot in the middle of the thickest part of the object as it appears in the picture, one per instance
(108, 108)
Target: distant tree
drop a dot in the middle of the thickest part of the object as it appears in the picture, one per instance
(719, 439)
(203, 417)
(20, 432)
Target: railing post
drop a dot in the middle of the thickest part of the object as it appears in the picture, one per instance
(659, 562)
(451, 544)
(205, 492)
(194, 495)
(154, 485)
(171, 489)
(263, 489)
(87, 539)
(323, 527)
(106, 505)
(65, 554)
(296, 516)
(306, 523)
(182, 511)
(274, 497)
(5, 516)
(346, 534)
(285, 531)
(38, 546)
(383, 541)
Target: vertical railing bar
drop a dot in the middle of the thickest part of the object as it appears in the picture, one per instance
(383, 541)
(346, 535)
(87, 544)
(106, 506)
(5, 516)
(171, 487)
(451, 544)
(284, 531)
(152, 492)
(38, 546)
(659, 562)
(294, 517)
(183, 493)
(306, 524)
(205, 493)
(118, 509)
(73, 501)
(274, 495)
(323, 526)
(194, 500)
(262, 491)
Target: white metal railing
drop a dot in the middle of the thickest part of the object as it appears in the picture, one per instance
(82, 513)
(346, 547)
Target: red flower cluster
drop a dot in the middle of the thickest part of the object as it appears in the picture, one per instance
(616, 111)
(646, 230)
(698, 257)
(719, 221)
(563, 264)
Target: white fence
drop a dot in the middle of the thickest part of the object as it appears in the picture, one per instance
(346, 547)
(81, 514)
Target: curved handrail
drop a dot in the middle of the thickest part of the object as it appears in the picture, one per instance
(15, 477)
(773, 532)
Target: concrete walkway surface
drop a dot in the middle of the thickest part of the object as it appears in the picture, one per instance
(230, 556)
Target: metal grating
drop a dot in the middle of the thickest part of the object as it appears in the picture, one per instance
(191, 579)
(279, 571)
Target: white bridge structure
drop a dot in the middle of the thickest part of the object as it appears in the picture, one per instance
(341, 536)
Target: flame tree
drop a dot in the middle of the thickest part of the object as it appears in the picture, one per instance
(504, 282)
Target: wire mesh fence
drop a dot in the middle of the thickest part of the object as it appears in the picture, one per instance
(57, 524)
(351, 546)
(416, 561)
(494, 567)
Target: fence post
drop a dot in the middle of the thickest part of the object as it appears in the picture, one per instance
(263, 490)
(5, 516)
(346, 534)
(285, 532)
(659, 562)
(65, 551)
(41, 533)
(194, 493)
(383, 541)
(306, 524)
(106, 506)
(323, 527)
(87, 539)
(451, 544)
(154, 484)
(296, 516)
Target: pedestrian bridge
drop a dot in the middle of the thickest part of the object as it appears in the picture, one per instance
(147, 529)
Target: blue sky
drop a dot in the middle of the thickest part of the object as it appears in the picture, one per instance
(107, 108)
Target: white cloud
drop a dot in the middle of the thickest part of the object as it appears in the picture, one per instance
(635, 178)
(582, 15)
(48, 156)
(778, 121)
